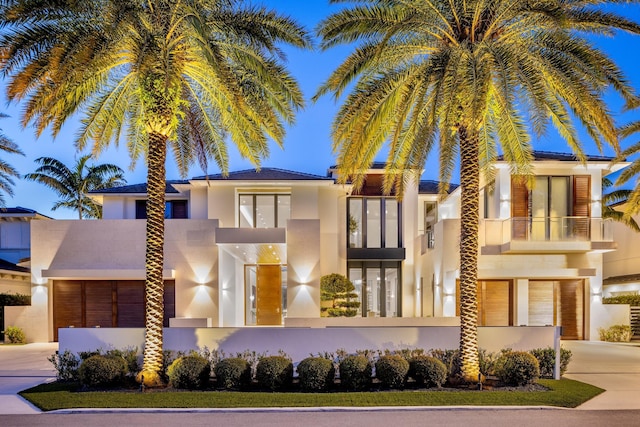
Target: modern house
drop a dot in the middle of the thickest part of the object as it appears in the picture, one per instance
(249, 250)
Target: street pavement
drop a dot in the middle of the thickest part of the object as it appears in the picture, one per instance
(614, 367)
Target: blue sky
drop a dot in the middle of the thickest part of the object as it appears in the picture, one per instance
(307, 147)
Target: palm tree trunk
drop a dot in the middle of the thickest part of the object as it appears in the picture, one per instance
(154, 284)
(469, 207)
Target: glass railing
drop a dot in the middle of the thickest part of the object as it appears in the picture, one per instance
(546, 229)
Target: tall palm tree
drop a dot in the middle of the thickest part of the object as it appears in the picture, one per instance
(7, 172)
(73, 185)
(473, 77)
(183, 75)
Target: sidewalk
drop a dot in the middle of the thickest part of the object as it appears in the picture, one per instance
(614, 367)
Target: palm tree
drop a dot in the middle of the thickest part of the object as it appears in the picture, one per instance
(7, 172)
(630, 173)
(180, 75)
(473, 77)
(613, 198)
(74, 185)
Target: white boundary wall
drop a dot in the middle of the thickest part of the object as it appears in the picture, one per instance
(299, 343)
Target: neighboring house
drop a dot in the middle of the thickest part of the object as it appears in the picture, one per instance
(249, 249)
(15, 250)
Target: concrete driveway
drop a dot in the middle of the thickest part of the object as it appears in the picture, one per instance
(614, 367)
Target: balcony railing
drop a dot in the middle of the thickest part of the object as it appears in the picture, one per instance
(547, 229)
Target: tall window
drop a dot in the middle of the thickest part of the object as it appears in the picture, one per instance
(378, 286)
(430, 219)
(374, 222)
(264, 210)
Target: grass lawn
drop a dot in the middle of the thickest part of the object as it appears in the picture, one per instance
(563, 393)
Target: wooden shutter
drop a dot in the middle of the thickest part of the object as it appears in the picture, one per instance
(519, 207)
(581, 206)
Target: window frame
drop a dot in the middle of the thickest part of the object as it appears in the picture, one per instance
(254, 208)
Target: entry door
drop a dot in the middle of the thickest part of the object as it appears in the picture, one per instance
(558, 303)
(268, 295)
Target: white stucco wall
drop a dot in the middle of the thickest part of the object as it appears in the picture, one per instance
(303, 272)
(115, 249)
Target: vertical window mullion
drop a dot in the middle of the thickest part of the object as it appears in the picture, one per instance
(383, 222)
(275, 211)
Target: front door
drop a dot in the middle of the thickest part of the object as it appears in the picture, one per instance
(268, 294)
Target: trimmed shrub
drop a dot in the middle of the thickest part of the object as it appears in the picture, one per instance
(547, 360)
(355, 373)
(189, 372)
(100, 371)
(274, 372)
(392, 370)
(233, 373)
(130, 357)
(517, 368)
(316, 374)
(66, 365)
(427, 370)
(616, 333)
(15, 335)
(451, 360)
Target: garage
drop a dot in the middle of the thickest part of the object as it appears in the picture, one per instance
(104, 303)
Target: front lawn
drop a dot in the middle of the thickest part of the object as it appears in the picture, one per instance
(563, 393)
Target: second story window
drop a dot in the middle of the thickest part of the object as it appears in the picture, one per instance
(555, 208)
(174, 209)
(264, 210)
(374, 222)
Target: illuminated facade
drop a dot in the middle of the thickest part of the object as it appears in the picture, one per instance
(249, 250)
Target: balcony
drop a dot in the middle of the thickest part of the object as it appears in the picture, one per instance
(546, 235)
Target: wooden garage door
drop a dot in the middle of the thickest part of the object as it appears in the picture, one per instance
(104, 303)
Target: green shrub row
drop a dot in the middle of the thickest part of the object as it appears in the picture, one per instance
(632, 300)
(354, 372)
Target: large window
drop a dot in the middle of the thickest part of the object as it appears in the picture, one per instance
(174, 209)
(378, 285)
(264, 210)
(554, 208)
(374, 222)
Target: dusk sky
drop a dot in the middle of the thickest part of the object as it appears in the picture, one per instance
(307, 146)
